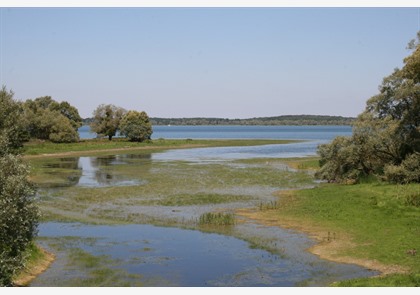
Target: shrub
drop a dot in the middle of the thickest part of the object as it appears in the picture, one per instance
(408, 171)
(18, 216)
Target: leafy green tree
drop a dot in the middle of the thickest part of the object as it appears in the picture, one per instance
(18, 216)
(386, 135)
(13, 129)
(106, 120)
(408, 171)
(136, 126)
(70, 112)
(50, 120)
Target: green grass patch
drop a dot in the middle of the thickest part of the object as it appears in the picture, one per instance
(383, 224)
(411, 280)
(36, 260)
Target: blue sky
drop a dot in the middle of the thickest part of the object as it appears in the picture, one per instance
(205, 62)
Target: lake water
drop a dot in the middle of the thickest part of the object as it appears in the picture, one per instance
(241, 132)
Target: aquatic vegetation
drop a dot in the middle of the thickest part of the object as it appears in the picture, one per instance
(195, 199)
(152, 184)
(268, 205)
(217, 219)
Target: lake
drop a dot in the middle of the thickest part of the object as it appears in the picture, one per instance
(241, 132)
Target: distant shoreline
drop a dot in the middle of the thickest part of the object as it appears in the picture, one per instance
(290, 120)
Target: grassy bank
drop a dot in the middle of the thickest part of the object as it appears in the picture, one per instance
(38, 260)
(376, 225)
(89, 146)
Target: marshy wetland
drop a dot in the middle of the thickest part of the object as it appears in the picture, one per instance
(168, 218)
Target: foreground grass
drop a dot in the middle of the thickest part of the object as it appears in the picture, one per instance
(373, 222)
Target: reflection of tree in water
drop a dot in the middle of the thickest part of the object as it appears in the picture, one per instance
(63, 163)
(102, 174)
(147, 156)
(66, 168)
(103, 165)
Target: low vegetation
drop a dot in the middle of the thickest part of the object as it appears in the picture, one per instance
(217, 219)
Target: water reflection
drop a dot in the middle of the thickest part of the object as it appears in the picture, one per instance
(93, 171)
(98, 171)
(64, 168)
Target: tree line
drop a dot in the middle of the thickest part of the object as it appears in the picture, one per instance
(386, 135)
(46, 119)
(264, 121)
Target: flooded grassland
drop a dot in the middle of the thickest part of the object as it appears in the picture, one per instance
(137, 220)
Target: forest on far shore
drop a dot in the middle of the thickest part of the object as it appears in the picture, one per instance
(278, 120)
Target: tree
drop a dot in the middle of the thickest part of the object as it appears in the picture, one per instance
(62, 131)
(18, 213)
(13, 130)
(18, 216)
(386, 136)
(70, 112)
(50, 120)
(136, 126)
(106, 120)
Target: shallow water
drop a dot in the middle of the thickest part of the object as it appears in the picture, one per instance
(94, 174)
(165, 256)
(291, 150)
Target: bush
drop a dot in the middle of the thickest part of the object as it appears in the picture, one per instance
(18, 216)
(408, 171)
(339, 161)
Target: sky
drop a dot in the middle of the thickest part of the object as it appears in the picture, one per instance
(226, 62)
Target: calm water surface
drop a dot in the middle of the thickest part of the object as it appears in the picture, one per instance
(241, 132)
(165, 256)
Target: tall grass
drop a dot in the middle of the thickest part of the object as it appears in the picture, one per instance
(217, 219)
